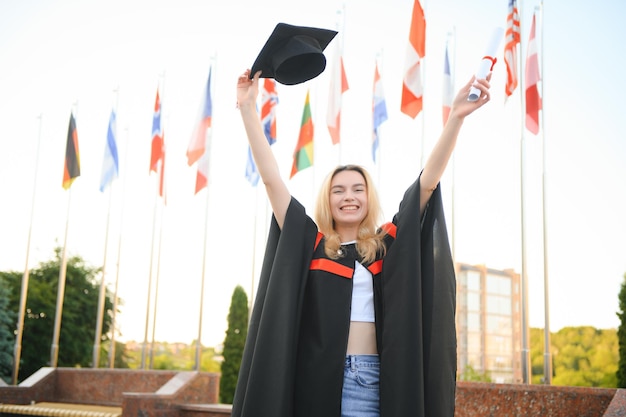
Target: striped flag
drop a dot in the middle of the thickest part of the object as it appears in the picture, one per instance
(202, 175)
(303, 154)
(533, 100)
(338, 86)
(197, 144)
(71, 169)
(448, 94)
(269, 101)
(110, 164)
(156, 154)
(510, 48)
(416, 50)
(379, 111)
(161, 171)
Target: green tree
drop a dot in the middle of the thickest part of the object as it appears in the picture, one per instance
(234, 344)
(7, 341)
(585, 356)
(581, 356)
(471, 374)
(621, 337)
(78, 322)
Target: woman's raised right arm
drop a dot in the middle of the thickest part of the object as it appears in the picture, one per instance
(277, 192)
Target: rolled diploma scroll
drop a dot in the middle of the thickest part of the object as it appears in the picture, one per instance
(487, 62)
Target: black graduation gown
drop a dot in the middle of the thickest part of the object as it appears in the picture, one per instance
(292, 364)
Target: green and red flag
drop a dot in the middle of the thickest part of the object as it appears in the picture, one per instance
(303, 154)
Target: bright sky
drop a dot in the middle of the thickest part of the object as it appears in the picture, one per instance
(64, 55)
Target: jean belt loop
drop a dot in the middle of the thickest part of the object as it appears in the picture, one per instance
(352, 363)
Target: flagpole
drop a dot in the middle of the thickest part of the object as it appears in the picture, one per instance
(453, 185)
(117, 268)
(340, 24)
(156, 284)
(149, 294)
(208, 134)
(254, 238)
(17, 351)
(102, 294)
(379, 57)
(525, 359)
(423, 78)
(54, 349)
(547, 356)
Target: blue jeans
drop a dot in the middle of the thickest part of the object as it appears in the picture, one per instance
(361, 380)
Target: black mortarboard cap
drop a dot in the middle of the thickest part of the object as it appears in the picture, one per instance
(293, 54)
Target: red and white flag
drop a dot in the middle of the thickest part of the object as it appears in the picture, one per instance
(338, 86)
(412, 82)
(533, 100)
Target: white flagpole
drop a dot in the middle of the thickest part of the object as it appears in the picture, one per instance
(54, 349)
(17, 351)
(547, 356)
(453, 185)
(158, 276)
(525, 360)
(379, 163)
(102, 294)
(117, 268)
(423, 79)
(144, 347)
(207, 154)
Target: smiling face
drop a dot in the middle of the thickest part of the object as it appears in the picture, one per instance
(348, 199)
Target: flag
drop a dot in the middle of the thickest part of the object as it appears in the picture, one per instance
(252, 174)
(303, 154)
(533, 100)
(71, 170)
(338, 86)
(448, 94)
(412, 81)
(379, 111)
(161, 171)
(197, 144)
(269, 101)
(510, 47)
(110, 164)
(156, 154)
(202, 173)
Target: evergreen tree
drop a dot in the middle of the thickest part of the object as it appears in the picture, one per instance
(621, 337)
(7, 340)
(234, 344)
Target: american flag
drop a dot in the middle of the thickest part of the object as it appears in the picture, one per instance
(510, 47)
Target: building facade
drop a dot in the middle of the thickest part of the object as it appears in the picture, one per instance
(489, 322)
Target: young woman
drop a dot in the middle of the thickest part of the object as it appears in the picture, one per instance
(352, 318)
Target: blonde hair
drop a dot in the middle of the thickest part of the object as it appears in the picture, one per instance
(369, 238)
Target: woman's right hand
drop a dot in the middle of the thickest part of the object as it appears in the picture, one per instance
(247, 89)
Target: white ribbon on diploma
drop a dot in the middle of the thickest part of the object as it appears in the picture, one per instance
(487, 62)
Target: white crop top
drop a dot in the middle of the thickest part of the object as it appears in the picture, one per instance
(362, 295)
